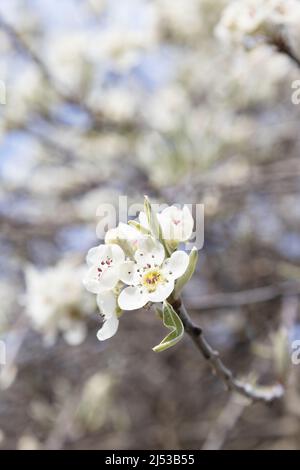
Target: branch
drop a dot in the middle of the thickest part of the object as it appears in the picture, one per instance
(253, 392)
(284, 47)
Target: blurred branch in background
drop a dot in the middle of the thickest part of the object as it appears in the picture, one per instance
(189, 102)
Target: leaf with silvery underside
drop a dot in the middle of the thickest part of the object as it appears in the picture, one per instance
(171, 321)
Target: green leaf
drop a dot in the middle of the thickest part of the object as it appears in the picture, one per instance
(159, 313)
(172, 321)
(185, 278)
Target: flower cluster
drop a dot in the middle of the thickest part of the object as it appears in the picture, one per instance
(140, 263)
(257, 18)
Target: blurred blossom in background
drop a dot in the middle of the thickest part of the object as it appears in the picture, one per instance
(188, 101)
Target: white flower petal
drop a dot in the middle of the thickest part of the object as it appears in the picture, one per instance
(95, 255)
(176, 224)
(176, 265)
(150, 251)
(109, 278)
(102, 252)
(91, 282)
(111, 235)
(128, 273)
(116, 253)
(97, 284)
(188, 224)
(132, 298)
(108, 329)
(162, 292)
(107, 304)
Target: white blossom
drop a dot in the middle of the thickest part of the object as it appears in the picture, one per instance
(137, 265)
(177, 224)
(104, 263)
(256, 17)
(150, 277)
(55, 301)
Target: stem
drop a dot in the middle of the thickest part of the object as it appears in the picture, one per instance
(282, 46)
(253, 392)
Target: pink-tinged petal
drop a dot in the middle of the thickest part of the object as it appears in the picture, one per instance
(149, 251)
(177, 224)
(107, 304)
(162, 292)
(176, 265)
(128, 273)
(132, 298)
(109, 328)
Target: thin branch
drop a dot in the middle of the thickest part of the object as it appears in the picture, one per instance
(284, 47)
(248, 390)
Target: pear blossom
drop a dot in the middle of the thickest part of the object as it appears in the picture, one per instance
(256, 17)
(140, 263)
(150, 277)
(124, 233)
(177, 224)
(104, 263)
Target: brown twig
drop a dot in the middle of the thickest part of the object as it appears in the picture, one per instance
(282, 46)
(248, 390)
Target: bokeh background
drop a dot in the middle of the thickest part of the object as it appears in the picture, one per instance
(188, 102)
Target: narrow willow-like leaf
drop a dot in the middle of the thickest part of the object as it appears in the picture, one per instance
(185, 278)
(172, 321)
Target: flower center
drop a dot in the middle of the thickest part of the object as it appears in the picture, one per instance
(176, 221)
(151, 279)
